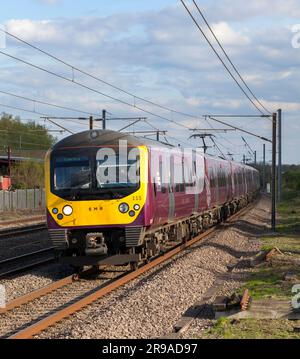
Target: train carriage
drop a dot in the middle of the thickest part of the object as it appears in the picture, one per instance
(113, 198)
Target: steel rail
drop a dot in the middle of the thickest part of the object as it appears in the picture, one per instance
(27, 298)
(61, 314)
(41, 292)
(23, 220)
(14, 232)
(28, 256)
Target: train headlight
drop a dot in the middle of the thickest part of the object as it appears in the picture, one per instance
(67, 210)
(136, 207)
(55, 211)
(123, 208)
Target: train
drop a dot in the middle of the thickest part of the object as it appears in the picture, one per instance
(116, 199)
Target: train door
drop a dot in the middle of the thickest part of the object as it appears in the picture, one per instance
(161, 186)
(213, 179)
(181, 201)
(171, 192)
(201, 179)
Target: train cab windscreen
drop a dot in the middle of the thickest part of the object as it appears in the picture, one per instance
(94, 174)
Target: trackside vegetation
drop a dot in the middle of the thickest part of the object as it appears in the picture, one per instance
(270, 281)
(29, 141)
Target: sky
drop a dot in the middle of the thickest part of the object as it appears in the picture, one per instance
(153, 49)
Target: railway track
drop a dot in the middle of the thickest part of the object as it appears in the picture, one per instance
(26, 261)
(71, 294)
(16, 232)
(29, 220)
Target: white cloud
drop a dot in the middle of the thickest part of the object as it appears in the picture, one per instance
(82, 32)
(240, 10)
(286, 106)
(41, 31)
(228, 104)
(227, 36)
(192, 101)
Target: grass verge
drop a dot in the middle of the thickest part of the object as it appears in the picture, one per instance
(270, 281)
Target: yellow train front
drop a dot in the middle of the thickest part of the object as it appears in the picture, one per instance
(96, 218)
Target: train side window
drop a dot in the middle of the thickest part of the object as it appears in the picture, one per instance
(178, 175)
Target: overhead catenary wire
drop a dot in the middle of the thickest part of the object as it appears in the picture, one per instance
(74, 68)
(36, 113)
(228, 58)
(248, 146)
(134, 96)
(211, 126)
(218, 148)
(92, 89)
(28, 143)
(239, 129)
(223, 138)
(131, 124)
(219, 57)
(73, 120)
(101, 93)
(49, 118)
(47, 103)
(167, 135)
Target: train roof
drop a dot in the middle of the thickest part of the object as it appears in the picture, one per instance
(237, 164)
(99, 138)
(106, 137)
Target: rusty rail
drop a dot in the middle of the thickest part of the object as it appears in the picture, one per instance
(245, 300)
(27, 298)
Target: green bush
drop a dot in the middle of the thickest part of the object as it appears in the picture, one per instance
(291, 180)
(29, 174)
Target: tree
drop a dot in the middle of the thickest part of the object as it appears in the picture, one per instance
(28, 174)
(27, 140)
(23, 136)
